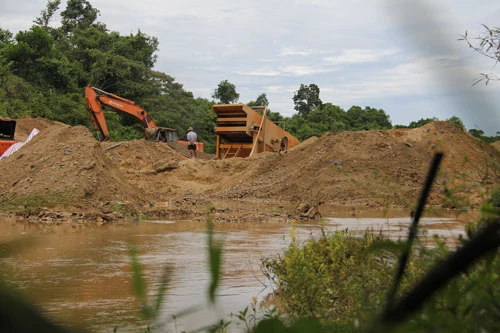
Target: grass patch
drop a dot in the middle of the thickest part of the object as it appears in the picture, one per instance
(35, 203)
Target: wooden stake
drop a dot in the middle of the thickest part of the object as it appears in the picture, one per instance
(258, 133)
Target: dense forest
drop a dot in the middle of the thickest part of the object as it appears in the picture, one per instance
(43, 72)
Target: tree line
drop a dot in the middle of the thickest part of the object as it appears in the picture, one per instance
(44, 70)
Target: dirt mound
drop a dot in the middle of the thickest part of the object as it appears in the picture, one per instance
(62, 167)
(496, 145)
(65, 168)
(378, 169)
(26, 125)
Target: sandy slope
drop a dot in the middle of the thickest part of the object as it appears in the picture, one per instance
(65, 172)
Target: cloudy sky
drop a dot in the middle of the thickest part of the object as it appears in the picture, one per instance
(400, 56)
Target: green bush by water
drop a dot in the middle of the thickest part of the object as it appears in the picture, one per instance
(338, 277)
(342, 281)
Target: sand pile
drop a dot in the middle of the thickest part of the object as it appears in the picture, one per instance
(65, 168)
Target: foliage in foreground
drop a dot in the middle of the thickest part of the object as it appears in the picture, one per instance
(458, 292)
(341, 283)
(343, 280)
(338, 277)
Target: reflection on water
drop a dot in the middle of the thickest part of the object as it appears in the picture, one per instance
(81, 277)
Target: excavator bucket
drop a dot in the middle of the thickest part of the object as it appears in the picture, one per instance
(242, 131)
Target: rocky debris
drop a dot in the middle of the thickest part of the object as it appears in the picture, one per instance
(308, 211)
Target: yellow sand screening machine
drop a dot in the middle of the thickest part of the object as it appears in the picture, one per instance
(243, 131)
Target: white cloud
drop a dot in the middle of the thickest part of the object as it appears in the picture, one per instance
(290, 51)
(303, 70)
(353, 56)
(274, 89)
(264, 71)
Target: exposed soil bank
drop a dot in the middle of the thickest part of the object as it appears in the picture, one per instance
(63, 174)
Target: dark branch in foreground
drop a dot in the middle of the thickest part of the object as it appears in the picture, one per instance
(413, 228)
(485, 241)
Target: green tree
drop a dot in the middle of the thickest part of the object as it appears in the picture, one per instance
(306, 99)
(203, 119)
(368, 118)
(477, 133)
(78, 14)
(422, 122)
(30, 47)
(60, 104)
(36, 59)
(5, 38)
(47, 13)
(226, 93)
(302, 128)
(456, 120)
(277, 118)
(330, 117)
(119, 75)
(262, 100)
(18, 98)
(139, 47)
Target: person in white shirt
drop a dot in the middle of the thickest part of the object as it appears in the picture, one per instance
(191, 138)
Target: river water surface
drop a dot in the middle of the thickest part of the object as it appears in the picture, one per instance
(81, 277)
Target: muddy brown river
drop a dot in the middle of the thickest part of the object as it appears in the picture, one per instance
(81, 277)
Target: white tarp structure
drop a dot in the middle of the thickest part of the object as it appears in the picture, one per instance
(16, 146)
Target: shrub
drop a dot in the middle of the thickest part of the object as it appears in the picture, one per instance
(337, 277)
(495, 197)
(343, 281)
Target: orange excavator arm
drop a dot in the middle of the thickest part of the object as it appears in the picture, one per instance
(97, 98)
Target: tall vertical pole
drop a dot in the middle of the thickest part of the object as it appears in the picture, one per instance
(217, 146)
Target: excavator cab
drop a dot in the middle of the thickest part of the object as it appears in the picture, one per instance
(163, 134)
(7, 129)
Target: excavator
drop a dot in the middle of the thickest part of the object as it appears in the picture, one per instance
(97, 99)
(7, 130)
